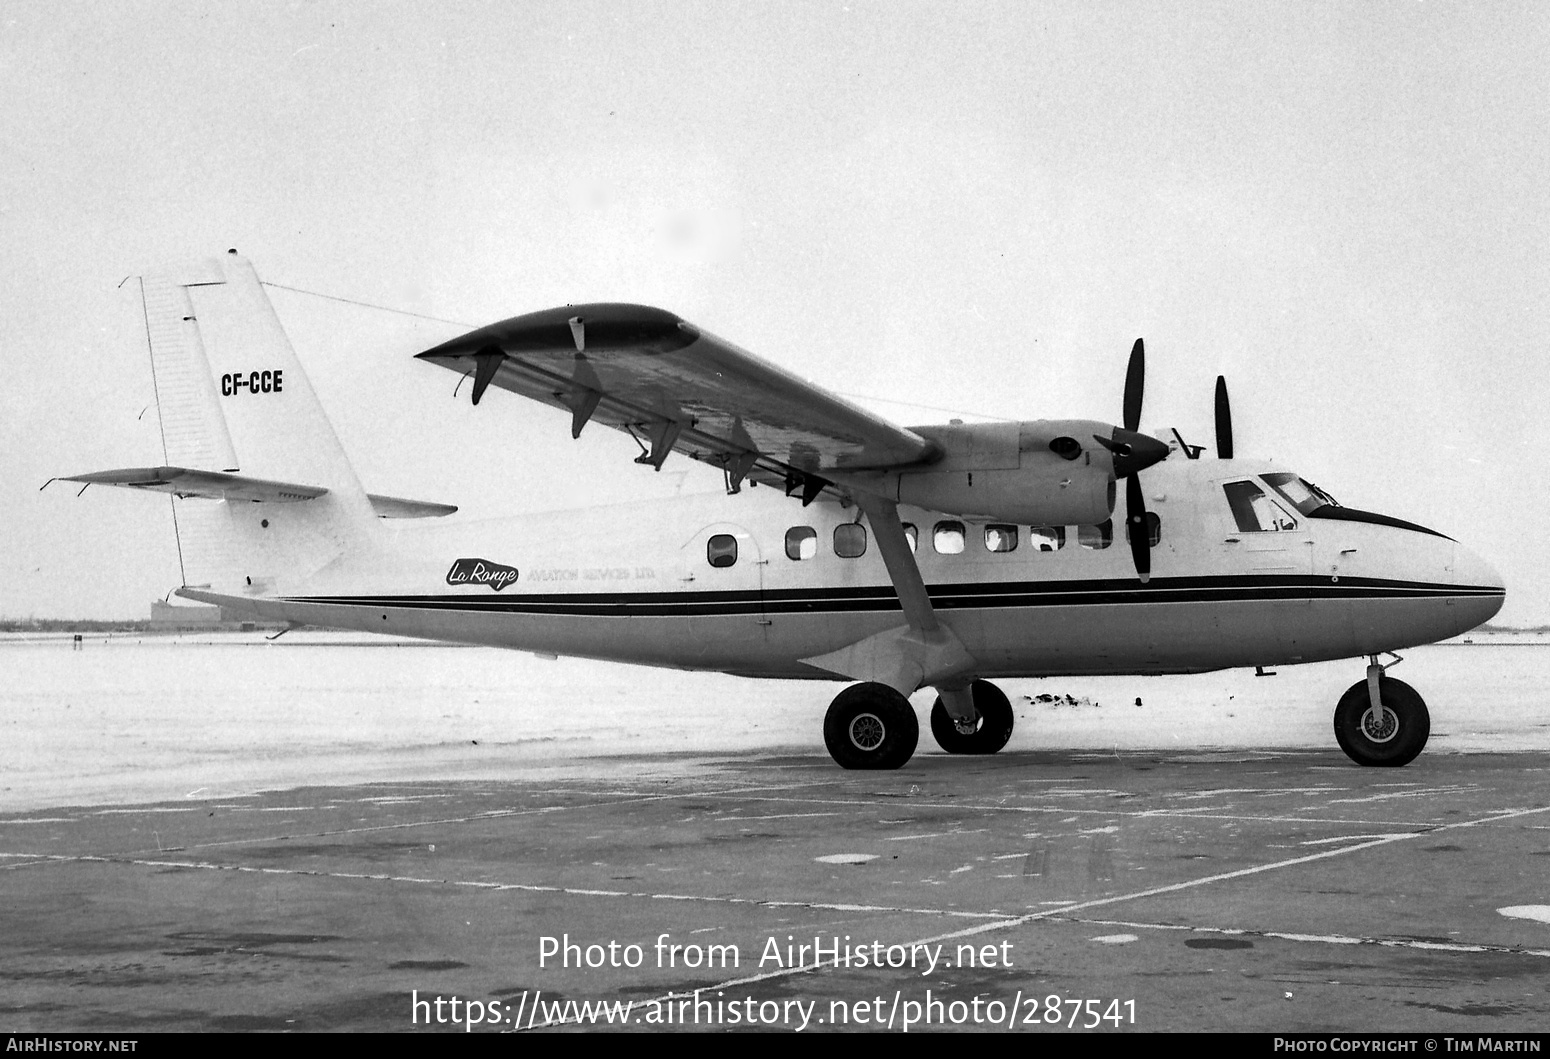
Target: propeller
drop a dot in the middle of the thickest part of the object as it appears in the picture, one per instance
(1140, 532)
(1134, 452)
(1223, 421)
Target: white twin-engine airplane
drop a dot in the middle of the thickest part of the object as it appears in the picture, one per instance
(896, 558)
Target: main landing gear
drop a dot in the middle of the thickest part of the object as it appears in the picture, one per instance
(872, 726)
(1381, 721)
(992, 725)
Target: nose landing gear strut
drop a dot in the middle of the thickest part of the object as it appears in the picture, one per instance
(1381, 721)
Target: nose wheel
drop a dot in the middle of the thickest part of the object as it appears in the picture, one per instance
(993, 723)
(870, 726)
(1389, 733)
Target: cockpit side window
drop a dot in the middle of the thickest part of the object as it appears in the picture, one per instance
(1255, 512)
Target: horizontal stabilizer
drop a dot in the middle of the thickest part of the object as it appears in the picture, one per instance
(215, 485)
(218, 485)
(397, 507)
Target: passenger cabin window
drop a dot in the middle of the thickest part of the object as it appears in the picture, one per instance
(1255, 512)
(947, 538)
(801, 543)
(999, 538)
(911, 534)
(1096, 538)
(1047, 538)
(721, 550)
(1153, 527)
(850, 540)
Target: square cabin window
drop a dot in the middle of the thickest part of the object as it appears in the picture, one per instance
(850, 540)
(1153, 528)
(801, 543)
(721, 550)
(911, 534)
(1000, 538)
(948, 537)
(1046, 538)
(1096, 538)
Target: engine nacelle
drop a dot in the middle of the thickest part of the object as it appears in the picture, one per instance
(1048, 472)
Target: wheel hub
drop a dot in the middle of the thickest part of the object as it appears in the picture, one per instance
(867, 731)
(1382, 727)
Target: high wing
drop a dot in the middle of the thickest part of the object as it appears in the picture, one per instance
(674, 387)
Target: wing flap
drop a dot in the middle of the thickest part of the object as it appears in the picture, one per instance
(678, 388)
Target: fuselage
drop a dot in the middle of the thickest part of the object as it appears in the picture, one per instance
(754, 583)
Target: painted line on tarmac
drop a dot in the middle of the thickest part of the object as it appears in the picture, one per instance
(493, 814)
(1066, 810)
(195, 865)
(1325, 939)
(1009, 922)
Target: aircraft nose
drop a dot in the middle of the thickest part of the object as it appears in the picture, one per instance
(1482, 591)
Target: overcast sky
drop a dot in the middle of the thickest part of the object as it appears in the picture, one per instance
(975, 207)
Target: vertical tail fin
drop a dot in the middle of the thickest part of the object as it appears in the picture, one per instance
(232, 396)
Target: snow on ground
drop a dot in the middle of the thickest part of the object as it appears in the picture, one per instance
(137, 717)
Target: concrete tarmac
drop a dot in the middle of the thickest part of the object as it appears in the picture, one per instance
(1240, 890)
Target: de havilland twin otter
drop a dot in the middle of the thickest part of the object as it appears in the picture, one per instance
(940, 556)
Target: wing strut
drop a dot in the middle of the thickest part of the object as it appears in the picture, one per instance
(923, 652)
(883, 514)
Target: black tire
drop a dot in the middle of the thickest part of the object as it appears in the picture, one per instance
(1402, 730)
(991, 733)
(870, 726)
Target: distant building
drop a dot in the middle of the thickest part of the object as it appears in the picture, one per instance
(169, 616)
(165, 615)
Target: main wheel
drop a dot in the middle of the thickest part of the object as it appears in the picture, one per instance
(1393, 738)
(870, 726)
(992, 729)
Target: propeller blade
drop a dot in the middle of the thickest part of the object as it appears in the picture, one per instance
(1223, 421)
(1140, 533)
(1135, 381)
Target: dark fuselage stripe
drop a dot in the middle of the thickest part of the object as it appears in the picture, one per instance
(947, 597)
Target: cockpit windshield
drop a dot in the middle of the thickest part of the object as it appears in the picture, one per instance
(1299, 492)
